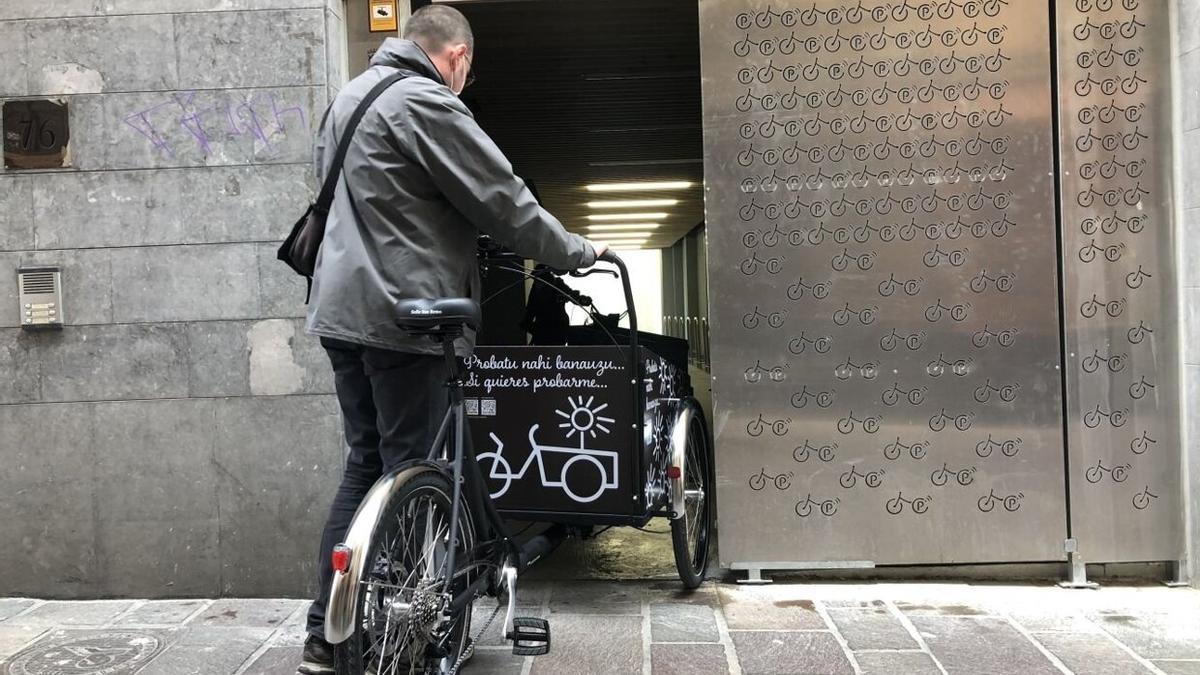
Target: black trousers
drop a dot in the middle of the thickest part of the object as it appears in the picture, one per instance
(392, 404)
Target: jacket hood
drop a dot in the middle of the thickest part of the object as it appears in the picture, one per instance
(406, 54)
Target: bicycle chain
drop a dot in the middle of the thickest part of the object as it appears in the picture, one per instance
(469, 650)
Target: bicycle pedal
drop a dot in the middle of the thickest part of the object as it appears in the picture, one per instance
(530, 636)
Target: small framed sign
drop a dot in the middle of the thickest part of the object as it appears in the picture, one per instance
(383, 16)
(36, 134)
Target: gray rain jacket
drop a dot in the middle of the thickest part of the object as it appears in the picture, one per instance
(420, 181)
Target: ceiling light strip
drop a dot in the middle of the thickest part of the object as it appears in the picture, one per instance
(633, 204)
(611, 227)
(630, 217)
(608, 236)
(640, 186)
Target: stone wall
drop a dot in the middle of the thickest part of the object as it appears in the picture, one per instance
(178, 437)
(1187, 103)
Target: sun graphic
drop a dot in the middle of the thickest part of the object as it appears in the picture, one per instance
(583, 418)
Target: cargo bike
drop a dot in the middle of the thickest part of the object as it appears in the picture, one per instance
(598, 433)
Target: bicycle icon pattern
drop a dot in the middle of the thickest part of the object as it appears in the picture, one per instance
(868, 126)
(876, 177)
(1114, 215)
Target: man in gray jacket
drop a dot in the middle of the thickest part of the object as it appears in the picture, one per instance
(421, 180)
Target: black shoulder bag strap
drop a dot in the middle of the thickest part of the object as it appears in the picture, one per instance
(302, 246)
(325, 199)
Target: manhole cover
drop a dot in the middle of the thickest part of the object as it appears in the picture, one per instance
(93, 653)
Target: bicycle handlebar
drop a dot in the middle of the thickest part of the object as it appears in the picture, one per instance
(488, 251)
(610, 256)
(579, 275)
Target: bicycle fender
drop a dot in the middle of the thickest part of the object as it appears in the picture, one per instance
(341, 613)
(688, 408)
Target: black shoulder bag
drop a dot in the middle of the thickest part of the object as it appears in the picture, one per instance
(300, 248)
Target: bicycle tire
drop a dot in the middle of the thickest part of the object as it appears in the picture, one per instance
(435, 488)
(691, 553)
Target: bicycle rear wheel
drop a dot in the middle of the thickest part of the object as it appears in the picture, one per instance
(405, 587)
(691, 532)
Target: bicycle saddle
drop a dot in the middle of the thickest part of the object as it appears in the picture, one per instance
(439, 315)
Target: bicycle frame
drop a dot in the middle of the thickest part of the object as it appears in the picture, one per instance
(446, 455)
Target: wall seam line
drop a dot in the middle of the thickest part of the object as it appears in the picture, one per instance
(174, 322)
(106, 15)
(251, 242)
(18, 175)
(175, 48)
(128, 169)
(90, 402)
(176, 90)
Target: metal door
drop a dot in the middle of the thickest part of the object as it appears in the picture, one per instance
(1121, 324)
(883, 281)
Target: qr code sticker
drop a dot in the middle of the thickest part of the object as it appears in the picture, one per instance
(472, 406)
(488, 407)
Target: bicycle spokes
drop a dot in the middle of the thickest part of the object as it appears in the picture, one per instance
(405, 587)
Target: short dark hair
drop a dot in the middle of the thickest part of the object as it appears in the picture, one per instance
(435, 26)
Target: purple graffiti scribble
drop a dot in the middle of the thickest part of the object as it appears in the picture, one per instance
(184, 99)
(279, 112)
(140, 122)
(243, 119)
(195, 127)
(192, 122)
(247, 114)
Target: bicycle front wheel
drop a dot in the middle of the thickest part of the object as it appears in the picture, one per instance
(403, 623)
(691, 531)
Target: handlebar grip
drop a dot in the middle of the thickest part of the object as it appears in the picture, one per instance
(609, 256)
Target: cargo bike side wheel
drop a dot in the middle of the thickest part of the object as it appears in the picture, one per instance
(692, 524)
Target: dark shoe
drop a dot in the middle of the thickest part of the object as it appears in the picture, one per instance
(318, 657)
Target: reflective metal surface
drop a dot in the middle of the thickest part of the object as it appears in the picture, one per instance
(883, 283)
(343, 610)
(1122, 352)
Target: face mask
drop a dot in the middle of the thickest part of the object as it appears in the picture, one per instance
(457, 82)
(465, 79)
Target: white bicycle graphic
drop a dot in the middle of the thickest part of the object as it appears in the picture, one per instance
(583, 420)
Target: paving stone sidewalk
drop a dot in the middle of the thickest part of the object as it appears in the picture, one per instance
(614, 628)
